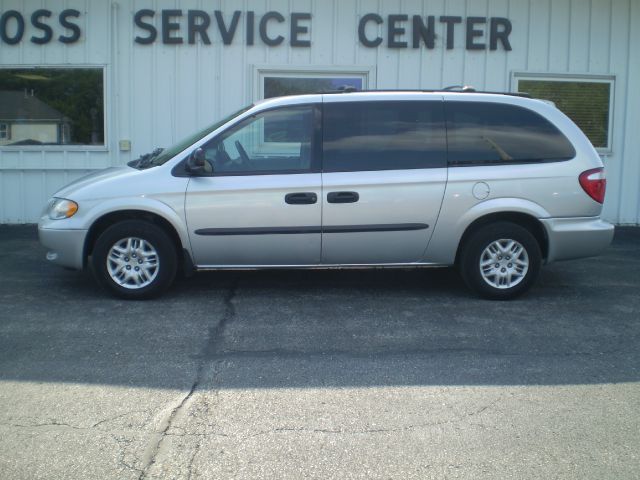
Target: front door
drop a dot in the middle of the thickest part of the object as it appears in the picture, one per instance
(262, 206)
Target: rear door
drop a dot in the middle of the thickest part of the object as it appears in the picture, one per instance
(384, 175)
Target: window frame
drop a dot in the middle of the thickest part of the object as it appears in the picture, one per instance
(67, 148)
(316, 143)
(5, 133)
(516, 76)
(261, 72)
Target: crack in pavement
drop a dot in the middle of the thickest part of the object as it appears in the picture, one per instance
(39, 425)
(60, 425)
(363, 431)
(115, 417)
(200, 435)
(192, 459)
(155, 448)
(123, 443)
(165, 432)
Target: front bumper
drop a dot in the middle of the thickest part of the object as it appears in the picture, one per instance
(65, 247)
(576, 237)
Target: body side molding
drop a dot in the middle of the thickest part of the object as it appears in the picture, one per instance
(392, 227)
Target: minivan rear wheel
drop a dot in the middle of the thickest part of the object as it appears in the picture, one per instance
(134, 260)
(500, 261)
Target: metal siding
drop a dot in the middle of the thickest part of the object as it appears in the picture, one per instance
(157, 94)
(538, 40)
(363, 55)
(628, 210)
(579, 24)
(453, 68)
(495, 66)
(559, 35)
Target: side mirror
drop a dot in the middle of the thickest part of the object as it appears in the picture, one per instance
(197, 163)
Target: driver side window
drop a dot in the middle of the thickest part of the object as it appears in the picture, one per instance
(276, 141)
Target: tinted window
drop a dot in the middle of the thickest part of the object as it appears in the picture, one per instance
(484, 132)
(275, 141)
(383, 135)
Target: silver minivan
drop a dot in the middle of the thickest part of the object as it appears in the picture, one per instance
(496, 184)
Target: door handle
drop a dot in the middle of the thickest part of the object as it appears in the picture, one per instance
(343, 197)
(301, 198)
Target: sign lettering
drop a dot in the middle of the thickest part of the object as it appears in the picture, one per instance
(177, 27)
(13, 27)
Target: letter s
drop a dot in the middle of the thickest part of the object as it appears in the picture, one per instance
(153, 33)
(75, 29)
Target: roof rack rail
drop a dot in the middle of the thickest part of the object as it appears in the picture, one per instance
(343, 89)
(459, 88)
(451, 89)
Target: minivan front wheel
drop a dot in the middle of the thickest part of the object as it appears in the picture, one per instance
(134, 260)
(500, 261)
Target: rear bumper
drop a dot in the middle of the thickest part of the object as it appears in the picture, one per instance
(576, 237)
(64, 247)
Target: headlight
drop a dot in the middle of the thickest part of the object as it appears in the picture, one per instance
(61, 208)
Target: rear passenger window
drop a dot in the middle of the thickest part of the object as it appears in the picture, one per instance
(383, 135)
(486, 133)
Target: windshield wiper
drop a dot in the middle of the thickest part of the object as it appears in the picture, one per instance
(145, 160)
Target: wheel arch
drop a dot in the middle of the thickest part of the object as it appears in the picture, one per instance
(531, 223)
(111, 218)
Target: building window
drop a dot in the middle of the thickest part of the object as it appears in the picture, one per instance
(278, 82)
(281, 81)
(52, 106)
(281, 86)
(587, 100)
(5, 132)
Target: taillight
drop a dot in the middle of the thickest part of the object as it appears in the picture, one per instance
(594, 183)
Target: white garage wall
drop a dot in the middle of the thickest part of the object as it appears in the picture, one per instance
(157, 94)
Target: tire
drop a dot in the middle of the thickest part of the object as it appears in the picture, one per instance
(490, 268)
(134, 260)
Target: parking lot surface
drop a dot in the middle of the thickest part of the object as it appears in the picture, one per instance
(321, 374)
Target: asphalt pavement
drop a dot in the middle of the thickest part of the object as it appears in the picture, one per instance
(322, 374)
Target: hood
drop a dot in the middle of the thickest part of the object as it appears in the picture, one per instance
(96, 179)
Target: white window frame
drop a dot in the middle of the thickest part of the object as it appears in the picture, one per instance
(5, 131)
(573, 77)
(65, 132)
(366, 73)
(260, 72)
(66, 148)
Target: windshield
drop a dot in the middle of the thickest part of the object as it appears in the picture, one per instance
(161, 156)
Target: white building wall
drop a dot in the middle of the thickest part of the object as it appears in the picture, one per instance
(157, 94)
